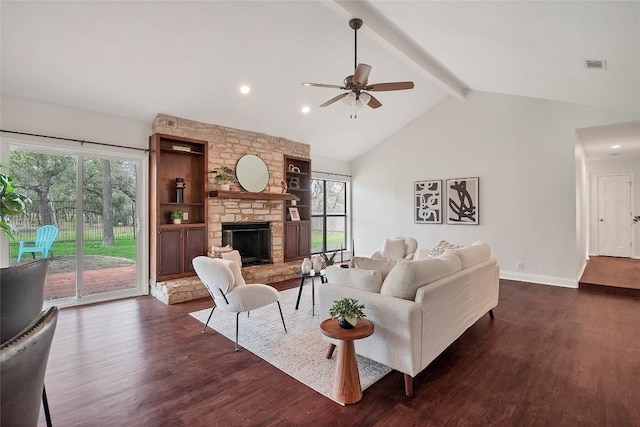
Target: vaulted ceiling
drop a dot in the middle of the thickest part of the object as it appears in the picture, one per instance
(189, 59)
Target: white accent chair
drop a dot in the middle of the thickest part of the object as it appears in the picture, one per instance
(397, 248)
(229, 291)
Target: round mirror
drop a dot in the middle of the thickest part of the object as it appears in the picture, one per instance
(252, 173)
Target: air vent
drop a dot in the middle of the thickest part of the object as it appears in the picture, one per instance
(595, 64)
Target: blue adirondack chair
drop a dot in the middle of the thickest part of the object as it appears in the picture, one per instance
(45, 236)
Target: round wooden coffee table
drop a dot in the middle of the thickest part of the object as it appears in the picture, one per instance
(346, 380)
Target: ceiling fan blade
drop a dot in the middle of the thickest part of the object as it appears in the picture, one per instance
(322, 85)
(361, 74)
(334, 99)
(390, 86)
(374, 103)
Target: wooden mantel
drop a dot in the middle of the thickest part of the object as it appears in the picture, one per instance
(247, 195)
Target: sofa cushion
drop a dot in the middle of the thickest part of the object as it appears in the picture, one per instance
(393, 249)
(366, 280)
(442, 246)
(422, 253)
(407, 276)
(384, 266)
(471, 255)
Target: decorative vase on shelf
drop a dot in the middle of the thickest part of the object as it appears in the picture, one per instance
(177, 221)
(224, 187)
(347, 322)
(306, 266)
(294, 202)
(317, 263)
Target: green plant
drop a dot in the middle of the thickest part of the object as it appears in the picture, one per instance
(347, 307)
(328, 260)
(224, 173)
(635, 219)
(296, 198)
(177, 214)
(12, 203)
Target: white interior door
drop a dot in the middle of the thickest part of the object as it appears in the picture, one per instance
(614, 215)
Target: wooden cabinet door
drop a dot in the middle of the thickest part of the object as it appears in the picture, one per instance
(291, 241)
(297, 243)
(170, 252)
(195, 244)
(304, 239)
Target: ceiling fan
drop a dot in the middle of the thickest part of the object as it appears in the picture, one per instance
(357, 84)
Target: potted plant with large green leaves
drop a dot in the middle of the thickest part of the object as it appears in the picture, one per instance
(348, 311)
(12, 203)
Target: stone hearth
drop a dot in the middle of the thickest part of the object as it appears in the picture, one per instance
(181, 290)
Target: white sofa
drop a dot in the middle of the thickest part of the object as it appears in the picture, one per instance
(418, 307)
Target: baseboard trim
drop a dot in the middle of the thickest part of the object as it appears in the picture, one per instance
(564, 282)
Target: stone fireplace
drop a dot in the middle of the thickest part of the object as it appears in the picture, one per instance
(251, 239)
(226, 146)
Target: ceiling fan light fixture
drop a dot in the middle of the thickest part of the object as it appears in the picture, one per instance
(349, 100)
(365, 98)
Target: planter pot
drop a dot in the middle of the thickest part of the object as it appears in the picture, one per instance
(177, 221)
(224, 187)
(294, 202)
(347, 322)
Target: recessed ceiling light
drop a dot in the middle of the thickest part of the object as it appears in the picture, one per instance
(245, 89)
(305, 109)
(616, 146)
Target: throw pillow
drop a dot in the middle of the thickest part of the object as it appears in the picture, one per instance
(442, 246)
(422, 254)
(237, 274)
(407, 276)
(367, 280)
(471, 255)
(384, 266)
(393, 249)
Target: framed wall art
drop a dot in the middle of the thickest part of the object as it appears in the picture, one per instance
(463, 201)
(428, 202)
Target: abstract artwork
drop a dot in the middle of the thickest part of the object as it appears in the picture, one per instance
(463, 197)
(428, 202)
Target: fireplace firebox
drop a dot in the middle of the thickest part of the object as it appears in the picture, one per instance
(251, 239)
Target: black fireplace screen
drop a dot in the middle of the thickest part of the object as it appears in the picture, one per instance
(251, 239)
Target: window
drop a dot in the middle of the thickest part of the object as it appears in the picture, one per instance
(328, 215)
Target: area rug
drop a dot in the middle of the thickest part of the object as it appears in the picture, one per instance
(299, 353)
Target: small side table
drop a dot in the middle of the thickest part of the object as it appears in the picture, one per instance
(346, 380)
(313, 291)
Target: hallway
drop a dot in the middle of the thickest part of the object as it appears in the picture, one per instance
(611, 274)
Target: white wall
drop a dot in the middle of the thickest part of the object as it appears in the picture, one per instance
(523, 151)
(23, 115)
(328, 165)
(608, 167)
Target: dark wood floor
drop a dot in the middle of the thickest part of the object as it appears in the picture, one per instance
(611, 274)
(552, 357)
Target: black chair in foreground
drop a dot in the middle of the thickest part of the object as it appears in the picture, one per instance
(23, 362)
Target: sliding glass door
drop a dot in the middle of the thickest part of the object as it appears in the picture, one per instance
(92, 200)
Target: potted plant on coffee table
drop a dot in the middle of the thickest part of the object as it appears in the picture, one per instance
(348, 311)
(225, 175)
